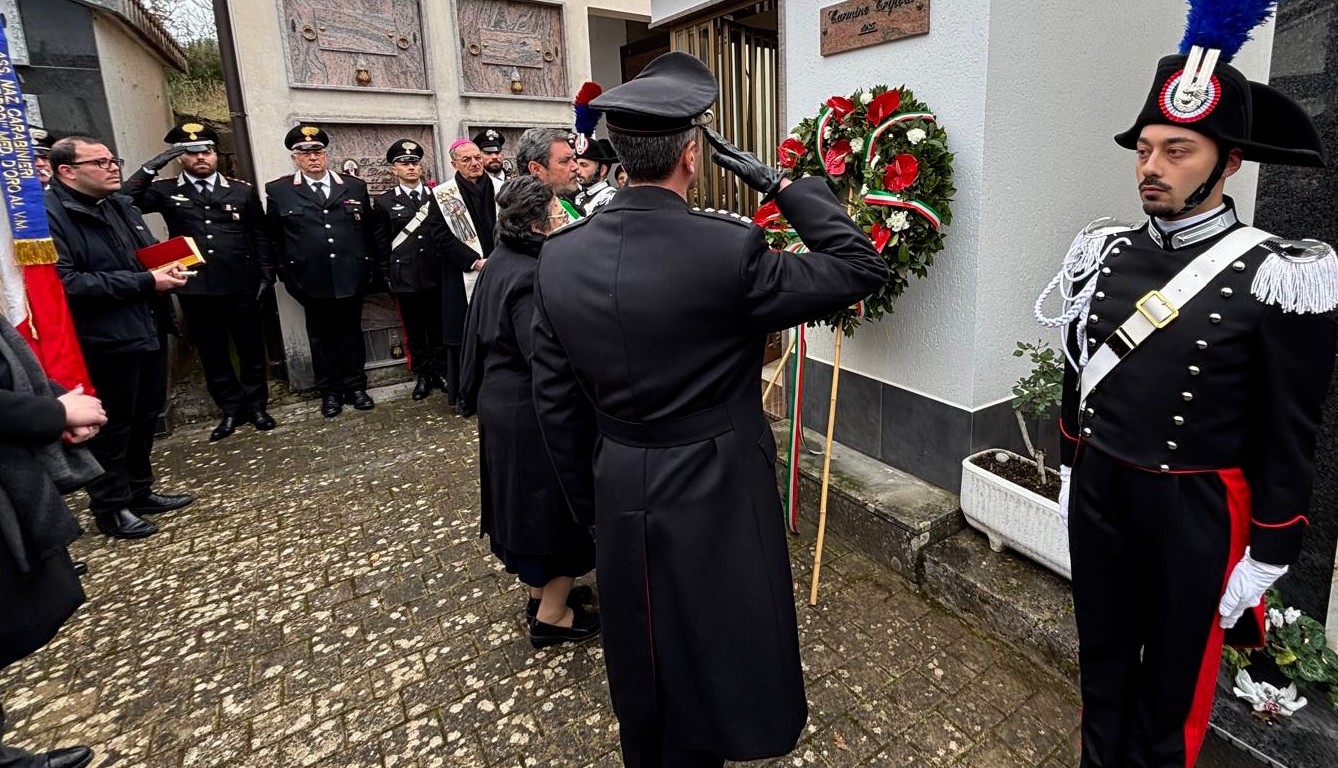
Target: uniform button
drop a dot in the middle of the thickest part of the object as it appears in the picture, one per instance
(1186, 396)
(1094, 318)
(1091, 342)
(332, 255)
(1226, 293)
(327, 226)
(329, 239)
(1105, 270)
(1179, 421)
(1165, 467)
(1214, 318)
(324, 211)
(211, 250)
(1090, 411)
(209, 237)
(420, 237)
(1201, 344)
(1114, 251)
(1170, 445)
(1193, 370)
(1239, 266)
(1100, 295)
(1086, 431)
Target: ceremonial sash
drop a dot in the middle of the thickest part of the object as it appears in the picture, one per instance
(573, 213)
(1159, 308)
(413, 225)
(456, 213)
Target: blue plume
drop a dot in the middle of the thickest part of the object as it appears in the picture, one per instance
(587, 117)
(1224, 24)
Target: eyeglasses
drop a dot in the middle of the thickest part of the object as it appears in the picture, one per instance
(103, 163)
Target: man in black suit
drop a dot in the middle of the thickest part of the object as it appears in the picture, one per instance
(321, 232)
(423, 264)
(649, 326)
(222, 302)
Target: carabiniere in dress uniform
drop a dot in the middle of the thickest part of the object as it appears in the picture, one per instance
(1199, 353)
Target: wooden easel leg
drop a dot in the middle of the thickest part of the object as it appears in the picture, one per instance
(826, 469)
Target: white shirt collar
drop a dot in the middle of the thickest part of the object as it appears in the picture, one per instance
(327, 180)
(212, 179)
(421, 188)
(1170, 227)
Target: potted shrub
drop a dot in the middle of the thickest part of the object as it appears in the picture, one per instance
(1010, 498)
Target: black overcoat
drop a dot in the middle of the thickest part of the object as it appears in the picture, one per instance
(431, 257)
(322, 250)
(522, 505)
(229, 229)
(650, 324)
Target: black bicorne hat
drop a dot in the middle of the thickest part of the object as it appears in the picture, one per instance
(404, 149)
(598, 150)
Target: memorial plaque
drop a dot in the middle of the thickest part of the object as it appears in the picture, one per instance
(371, 44)
(360, 150)
(502, 38)
(860, 23)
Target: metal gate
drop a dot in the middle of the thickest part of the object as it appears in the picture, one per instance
(744, 60)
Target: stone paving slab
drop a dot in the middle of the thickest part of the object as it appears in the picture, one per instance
(327, 602)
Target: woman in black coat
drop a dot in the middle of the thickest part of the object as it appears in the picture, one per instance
(39, 589)
(524, 513)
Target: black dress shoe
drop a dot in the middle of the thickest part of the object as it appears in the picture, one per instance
(80, 567)
(263, 421)
(70, 757)
(331, 406)
(437, 382)
(225, 427)
(583, 627)
(157, 503)
(422, 388)
(360, 400)
(578, 597)
(124, 524)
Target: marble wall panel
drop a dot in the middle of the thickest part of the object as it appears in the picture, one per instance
(372, 44)
(360, 149)
(499, 36)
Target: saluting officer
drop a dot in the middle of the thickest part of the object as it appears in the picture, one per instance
(650, 323)
(222, 302)
(1199, 352)
(321, 231)
(424, 266)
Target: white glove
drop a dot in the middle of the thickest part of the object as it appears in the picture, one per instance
(1064, 473)
(1250, 579)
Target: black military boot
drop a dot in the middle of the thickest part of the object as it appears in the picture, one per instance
(124, 524)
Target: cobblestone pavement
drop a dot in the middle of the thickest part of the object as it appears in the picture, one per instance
(327, 602)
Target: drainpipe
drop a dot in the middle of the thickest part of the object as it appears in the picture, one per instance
(227, 52)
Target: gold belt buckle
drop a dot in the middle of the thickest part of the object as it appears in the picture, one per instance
(1157, 309)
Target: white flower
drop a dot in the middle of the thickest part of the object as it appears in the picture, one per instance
(864, 190)
(898, 221)
(827, 133)
(857, 144)
(1275, 617)
(796, 137)
(915, 135)
(1269, 701)
(1291, 615)
(865, 98)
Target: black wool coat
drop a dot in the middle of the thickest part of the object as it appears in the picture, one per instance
(432, 257)
(522, 505)
(650, 324)
(321, 250)
(229, 229)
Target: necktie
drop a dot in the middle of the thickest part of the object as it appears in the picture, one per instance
(414, 197)
(204, 188)
(319, 186)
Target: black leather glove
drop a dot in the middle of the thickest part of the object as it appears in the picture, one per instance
(160, 162)
(745, 165)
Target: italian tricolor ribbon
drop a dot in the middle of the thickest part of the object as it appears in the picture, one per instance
(824, 119)
(796, 413)
(871, 141)
(893, 200)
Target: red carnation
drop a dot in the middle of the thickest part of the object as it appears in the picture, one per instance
(841, 106)
(901, 172)
(884, 106)
(767, 214)
(835, 161)
(879, 234)
(790, 151)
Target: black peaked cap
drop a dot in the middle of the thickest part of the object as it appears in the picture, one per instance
(666, 97)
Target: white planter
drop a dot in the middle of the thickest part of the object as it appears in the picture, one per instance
(1014, 517)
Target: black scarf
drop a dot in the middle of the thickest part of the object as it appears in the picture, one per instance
(34, 520)
(478, 197)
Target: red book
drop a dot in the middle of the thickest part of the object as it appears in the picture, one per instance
(181, 251)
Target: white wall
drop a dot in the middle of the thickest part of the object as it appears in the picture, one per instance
(607, 36)
(1030, 101)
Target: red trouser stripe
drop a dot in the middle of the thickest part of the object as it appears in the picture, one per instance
(1238, 507)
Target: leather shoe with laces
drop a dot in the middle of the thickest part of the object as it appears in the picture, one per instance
(360, 400)
(69, 757)
(422, 388)
(124, 524)
(331, 406)
(263, 421)
(225, 427)
(156, 503)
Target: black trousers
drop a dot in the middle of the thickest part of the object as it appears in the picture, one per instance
(338, 354)
(420, 312)
(13, 757)
(133, 390)
(1151, 554)
(649, 750)
(214, 322)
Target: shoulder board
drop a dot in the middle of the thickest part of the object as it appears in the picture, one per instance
(569, 226)
(232, 180)
(1089, 247)
(1299, 276)
(723, 215)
